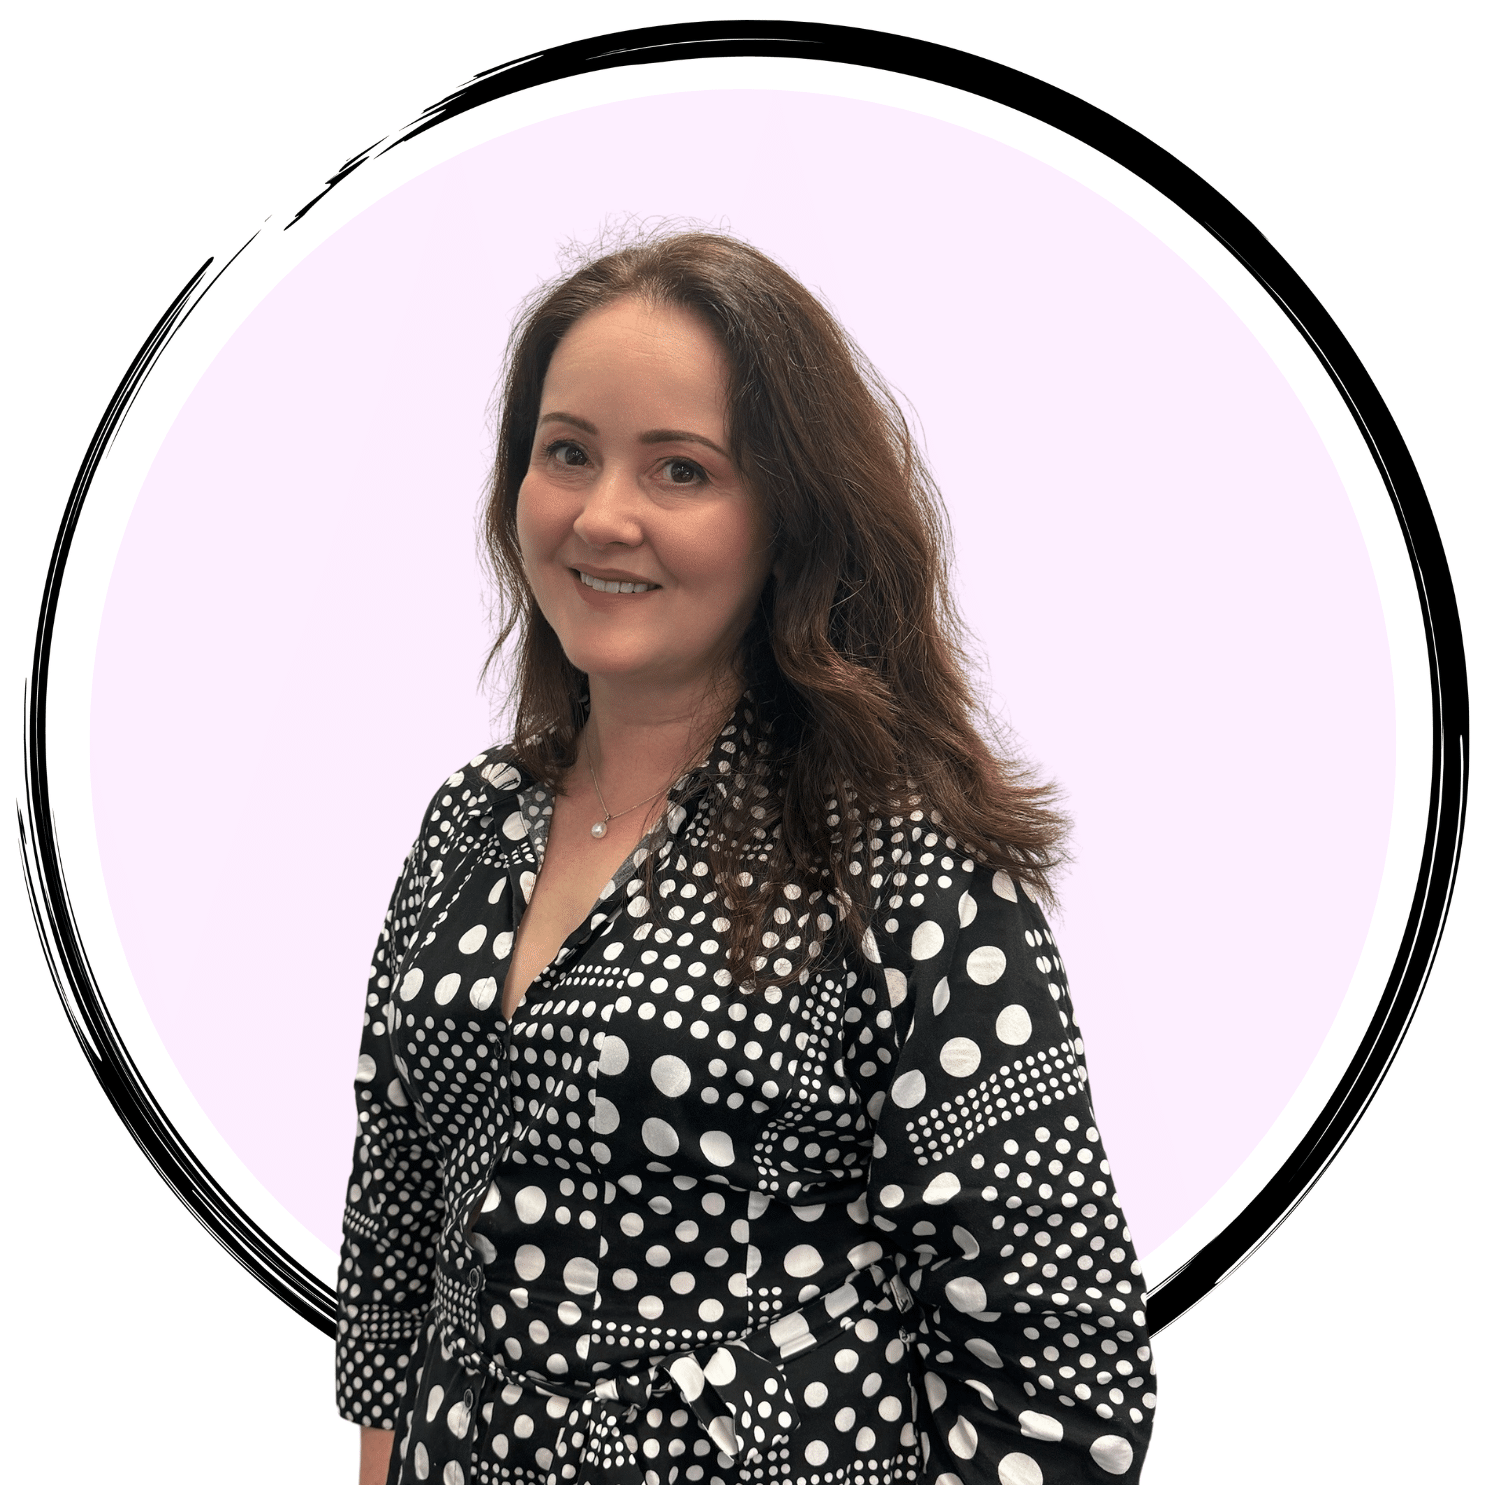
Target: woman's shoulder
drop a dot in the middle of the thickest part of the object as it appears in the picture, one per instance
(933, 889)
(492, 770)
(968, 940)
(478, 794)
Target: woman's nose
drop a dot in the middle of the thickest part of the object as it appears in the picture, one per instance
(610, 513)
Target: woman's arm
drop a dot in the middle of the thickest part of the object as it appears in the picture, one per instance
(989, 1178)
(394, 1201)
(376, 1455)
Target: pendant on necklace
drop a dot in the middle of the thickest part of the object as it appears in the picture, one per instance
(600, 829)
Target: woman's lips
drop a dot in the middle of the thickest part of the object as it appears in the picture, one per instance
(633, 587)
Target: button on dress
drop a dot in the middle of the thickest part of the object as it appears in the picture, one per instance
(860, 1229)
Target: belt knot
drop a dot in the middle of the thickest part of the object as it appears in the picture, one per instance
(736, 1390)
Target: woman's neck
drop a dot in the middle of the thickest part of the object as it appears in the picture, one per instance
(637, 741)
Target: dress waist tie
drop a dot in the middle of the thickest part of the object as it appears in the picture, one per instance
(736, 1390)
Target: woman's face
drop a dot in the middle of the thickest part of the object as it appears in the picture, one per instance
(644, 546)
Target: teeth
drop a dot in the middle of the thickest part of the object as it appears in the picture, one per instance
(605, 587)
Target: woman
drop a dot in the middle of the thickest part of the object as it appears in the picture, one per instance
(722, 1111)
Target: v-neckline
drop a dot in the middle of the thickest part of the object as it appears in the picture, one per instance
(733, 737)
(612, 889)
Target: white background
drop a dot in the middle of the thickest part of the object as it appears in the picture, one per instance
(144, 138)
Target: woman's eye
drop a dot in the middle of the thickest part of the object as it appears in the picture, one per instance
(566, 452)
(683, 472)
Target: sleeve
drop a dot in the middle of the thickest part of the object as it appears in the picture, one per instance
(394, 1204)
(989, 1178)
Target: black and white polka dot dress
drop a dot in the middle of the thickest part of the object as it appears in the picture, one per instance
(861, 1230)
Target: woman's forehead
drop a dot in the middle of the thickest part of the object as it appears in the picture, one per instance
(640, 323)
(632, 360)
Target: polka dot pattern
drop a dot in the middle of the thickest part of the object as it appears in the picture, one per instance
(857, 1230)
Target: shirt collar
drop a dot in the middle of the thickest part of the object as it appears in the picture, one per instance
(741, 737)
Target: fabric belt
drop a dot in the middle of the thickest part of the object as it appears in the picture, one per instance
(736, 1390)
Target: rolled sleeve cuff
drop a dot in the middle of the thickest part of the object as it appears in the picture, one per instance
(377, 1352)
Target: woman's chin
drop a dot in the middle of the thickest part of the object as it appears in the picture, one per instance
(641, 669)
(618, 664)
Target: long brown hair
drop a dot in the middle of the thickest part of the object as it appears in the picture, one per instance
(855, 659)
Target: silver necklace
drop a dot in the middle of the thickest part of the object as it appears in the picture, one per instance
(599, 828)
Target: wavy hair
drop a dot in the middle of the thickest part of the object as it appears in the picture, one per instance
(855, 659)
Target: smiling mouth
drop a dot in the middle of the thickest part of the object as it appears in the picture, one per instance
(601, 586)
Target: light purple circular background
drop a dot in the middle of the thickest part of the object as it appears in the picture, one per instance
(1153, 549)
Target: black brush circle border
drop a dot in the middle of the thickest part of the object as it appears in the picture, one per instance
(57, 927)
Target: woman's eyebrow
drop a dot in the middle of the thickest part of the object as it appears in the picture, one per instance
(679, 435)
(655, 435)
(572, 418)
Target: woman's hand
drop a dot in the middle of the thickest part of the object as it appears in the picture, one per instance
(376, 1455)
